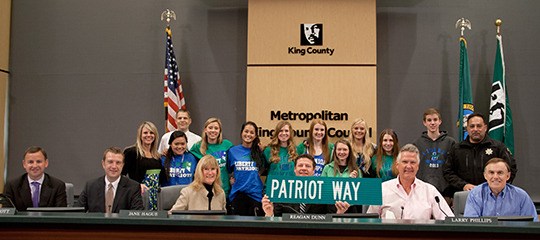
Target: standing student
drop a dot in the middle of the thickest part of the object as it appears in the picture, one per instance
(343, 162)
(179, 164)
(317, 145)
(385, 157)
(434, 145)
(212, 143)
(246, 164)
(142, 162)
(281, 151)
(36, 188)
(362, 146)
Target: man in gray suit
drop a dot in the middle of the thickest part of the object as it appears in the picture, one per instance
(35, 188)
(112, 192)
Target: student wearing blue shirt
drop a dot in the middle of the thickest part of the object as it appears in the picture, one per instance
(246, 163)
(317, 145)
(178, 163)
(496, 197)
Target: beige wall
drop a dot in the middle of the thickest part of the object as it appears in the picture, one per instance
(279, 79)
(5, 16)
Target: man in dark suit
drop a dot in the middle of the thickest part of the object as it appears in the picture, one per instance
(35, 188)
(304, 165)
(112, 192)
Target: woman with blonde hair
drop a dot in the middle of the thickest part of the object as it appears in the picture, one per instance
(281, 150)
(205, 192)
(317, 145)
(142, 161)
(385, 157)
(362, 146)
(212, 143)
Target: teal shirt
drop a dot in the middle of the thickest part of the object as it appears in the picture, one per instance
(328, 171)
(285, 166)
(386, 169)
(219, 151)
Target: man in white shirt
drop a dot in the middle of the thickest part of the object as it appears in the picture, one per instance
(407, 197)
(183, 120)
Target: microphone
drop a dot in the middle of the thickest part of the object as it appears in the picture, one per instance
(438, 203)
(402, 208)
(255, 210)
(7, 199)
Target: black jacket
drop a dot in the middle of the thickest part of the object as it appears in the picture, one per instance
(466, 161)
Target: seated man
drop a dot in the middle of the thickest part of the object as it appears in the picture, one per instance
(407, 197)
(496, 197)
(304, 165)
(121, 192)
(35, 188)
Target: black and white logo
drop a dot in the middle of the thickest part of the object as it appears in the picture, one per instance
(497, 106)
(311, 34)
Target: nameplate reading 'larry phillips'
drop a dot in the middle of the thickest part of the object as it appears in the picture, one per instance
(324, 190)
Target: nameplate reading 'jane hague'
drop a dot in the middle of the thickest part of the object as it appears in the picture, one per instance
(306, 217)
(471, 220)
(143, 214)
(7, 211)
(324, 190)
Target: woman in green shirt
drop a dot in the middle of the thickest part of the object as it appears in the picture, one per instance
(282, 150)
(385, 157)
(343, 162)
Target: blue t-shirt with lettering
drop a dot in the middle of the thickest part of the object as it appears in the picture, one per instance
(181, 169)
(246, 173)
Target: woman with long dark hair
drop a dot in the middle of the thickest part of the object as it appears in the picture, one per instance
(246, 164)
(179, 164)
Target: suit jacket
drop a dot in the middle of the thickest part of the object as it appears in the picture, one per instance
(53, 192)
(127, 196)
(190, 199)
(280, 208)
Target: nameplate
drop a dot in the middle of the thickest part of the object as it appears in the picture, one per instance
(471, 220)
(306, 217)
(143, 214)
(7, 211)
(324, 190)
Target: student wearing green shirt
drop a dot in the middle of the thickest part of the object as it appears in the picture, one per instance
(281, 150)
(343, 162)
(212, 143)
(384, 159)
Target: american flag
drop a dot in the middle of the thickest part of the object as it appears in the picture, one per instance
(173, 95)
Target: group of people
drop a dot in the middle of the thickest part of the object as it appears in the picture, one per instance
(419, 179)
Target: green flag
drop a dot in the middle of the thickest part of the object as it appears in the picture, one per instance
(466, 106)
(500, 116)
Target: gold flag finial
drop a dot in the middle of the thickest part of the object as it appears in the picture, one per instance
(167, 15)
(498, 23)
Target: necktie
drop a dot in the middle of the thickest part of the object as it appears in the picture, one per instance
(35, 194)
(302, 208)
(109, 198)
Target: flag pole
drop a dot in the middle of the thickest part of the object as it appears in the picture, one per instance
(166, 16)
(466, 106)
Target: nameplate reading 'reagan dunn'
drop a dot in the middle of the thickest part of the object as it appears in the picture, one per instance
(471, 220)
(143, 214)
(306, 217)
(7, 211)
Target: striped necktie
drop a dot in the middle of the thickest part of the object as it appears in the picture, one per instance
(302, 208)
